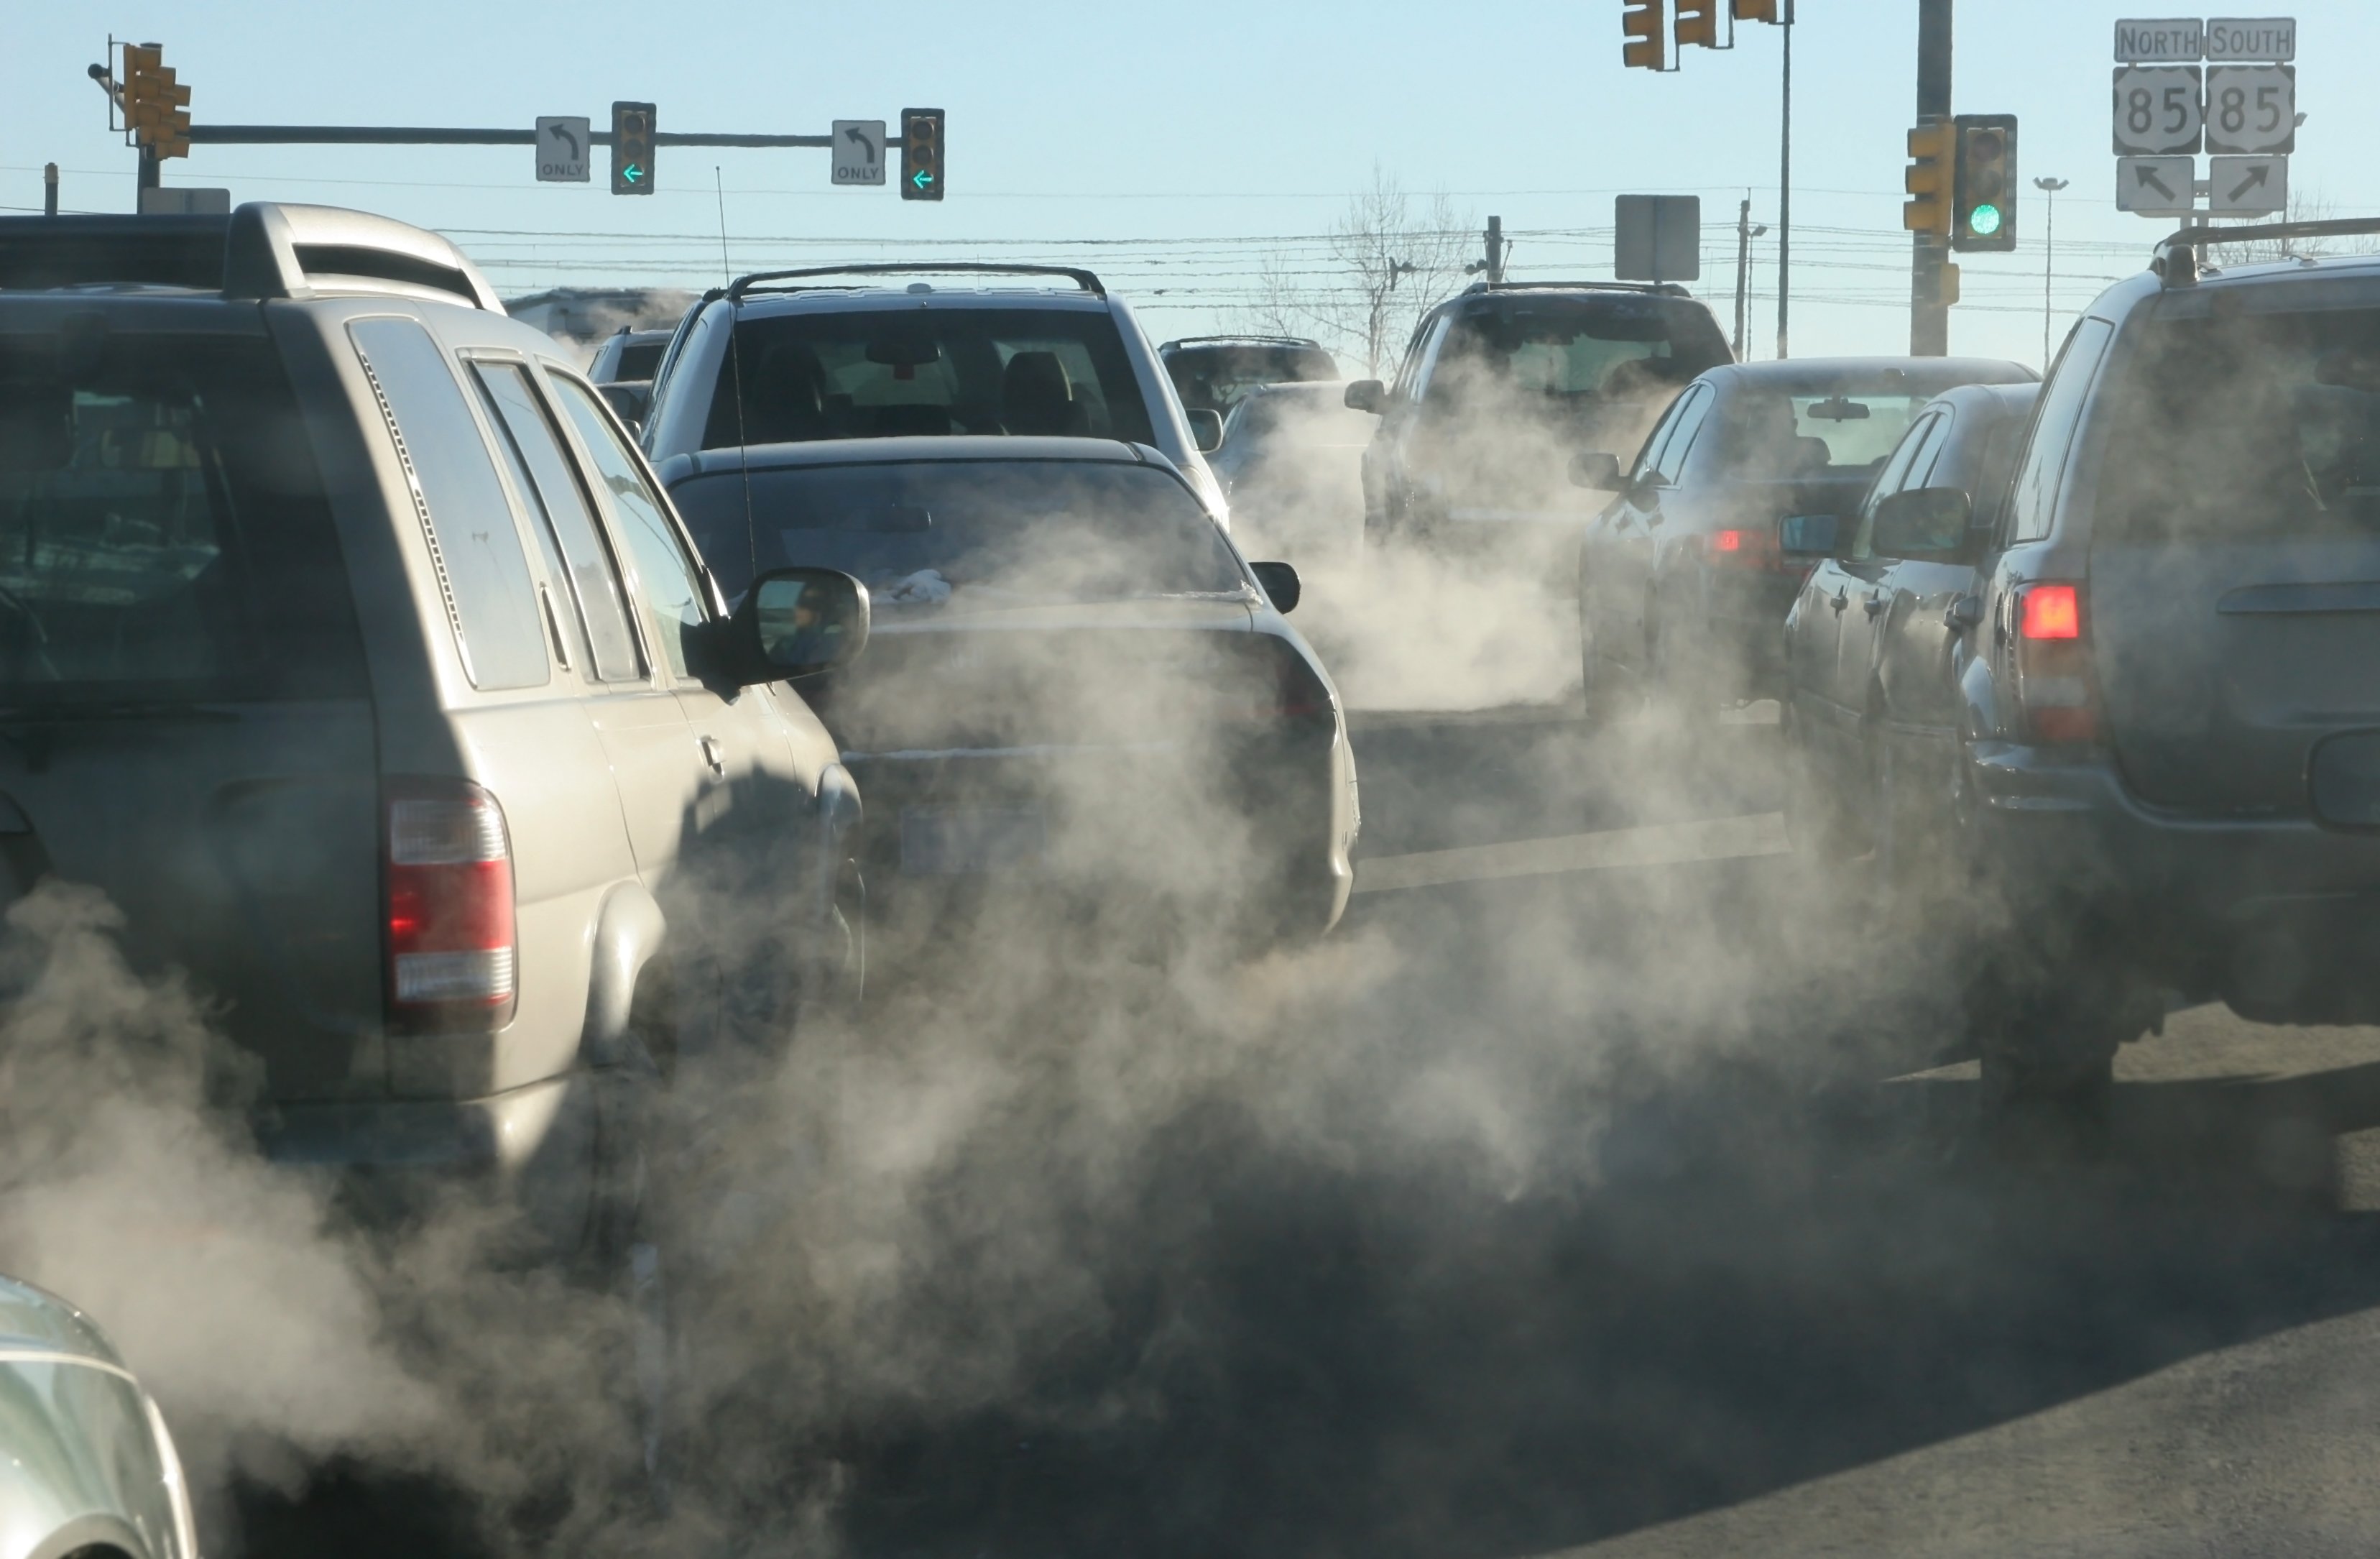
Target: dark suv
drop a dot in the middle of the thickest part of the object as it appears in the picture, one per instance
(2164, 672)
(1503, 383)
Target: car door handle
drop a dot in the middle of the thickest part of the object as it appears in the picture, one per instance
(1839, 600)
(1875, 605)
(714, 755)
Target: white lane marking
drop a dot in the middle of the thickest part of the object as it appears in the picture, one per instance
(1661, 844)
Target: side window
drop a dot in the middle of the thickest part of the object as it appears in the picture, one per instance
(1927, 454)
(1648, 457)
(1409, 371)
(551, 485)
(667, 376)
(1692, 414)
(1917, 446)
(461, 504)
(666, 577)
(2033, 497)
(1427, 364)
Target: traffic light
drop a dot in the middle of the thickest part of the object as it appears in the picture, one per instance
(1756, 10)
(1697, 23)
(1640, 23)
(1984, 190)
(156, 110)
(1928, 180)
(921, 153)
(632, 149)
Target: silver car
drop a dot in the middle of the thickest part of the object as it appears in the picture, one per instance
(86, 1465)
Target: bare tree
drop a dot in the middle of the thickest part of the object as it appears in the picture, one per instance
(1391, 257)
(2308, 206)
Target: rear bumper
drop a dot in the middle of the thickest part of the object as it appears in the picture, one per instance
(2278, 916)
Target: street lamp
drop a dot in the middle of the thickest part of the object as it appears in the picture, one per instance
(2050, 187)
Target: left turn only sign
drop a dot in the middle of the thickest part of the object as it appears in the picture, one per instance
(562, 147)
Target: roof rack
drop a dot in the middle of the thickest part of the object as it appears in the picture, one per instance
(742, 285)
(2176, 261)
(1665, 289)
(262, 251)
(1239, 340)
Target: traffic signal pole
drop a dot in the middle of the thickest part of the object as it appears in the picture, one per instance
(1930, 310)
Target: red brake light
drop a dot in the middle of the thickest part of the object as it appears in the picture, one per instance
(448, 867)
(1743, 547)
(2053, 612)
(1728, 541)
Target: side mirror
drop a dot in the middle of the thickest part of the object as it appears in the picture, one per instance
(1366, 394)
(1206, 429)
(1808, 535)
(793, 622)
(1597, 472)
(629, 398)
(1281, 586)
(1928, 523)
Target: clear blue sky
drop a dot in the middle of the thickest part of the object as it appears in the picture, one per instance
(1200, 130)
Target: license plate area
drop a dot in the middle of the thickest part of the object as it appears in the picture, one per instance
(971, 840)
(2343, 781)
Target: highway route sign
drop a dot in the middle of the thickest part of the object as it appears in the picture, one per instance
(2156, 185)
(2251, 108)
(2157, 110)
(2173, 40)
(563, 143)
(859, 151)
(2248, 186)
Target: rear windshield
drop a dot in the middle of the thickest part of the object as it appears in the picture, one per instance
(1218, 377)
(638, 361)
(2246, 426)
(164, 534)
(1626, 346)
(888, 374)
(991, 532)
(1817, 434)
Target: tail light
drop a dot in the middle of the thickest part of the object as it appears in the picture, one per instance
(2055, 686)
(1746, 548)
(448, 866)
(1283, 688)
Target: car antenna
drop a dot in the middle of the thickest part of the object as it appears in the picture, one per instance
(736, 366)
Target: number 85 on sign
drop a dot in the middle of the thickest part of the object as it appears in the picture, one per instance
(2251, 108)
(2158, 110)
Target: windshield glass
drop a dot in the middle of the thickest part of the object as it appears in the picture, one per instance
(1814, 433)
(884, 373)
(1219, 377)
(163, 530)
(2288, 445)
(984, 532)
(1626, 346)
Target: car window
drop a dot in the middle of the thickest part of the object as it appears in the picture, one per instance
(2033, 496)
(461, 504)
(1927, 454)
(551, 484)
(1692, 410)
(1409, 371)
(1658, 441)
(1919, 446)
(670, 373)
(886, 372)
(667, 581)
(164, 530)
(1846, 431)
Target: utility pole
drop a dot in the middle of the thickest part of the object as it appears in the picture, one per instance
(1744, 232)
(1929, 316)
(2050, 187)
(49, 190)
(1785, 191)
(1491, 262)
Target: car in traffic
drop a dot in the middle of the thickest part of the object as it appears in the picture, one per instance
(1212, 372)
(842, 352)
(1291, 464)
(1682, 584)
(349, 646)
(1870, 711)
(87, 1468)
(627, 355)
(1500, 385)
(1076, 691)
(2164, 671)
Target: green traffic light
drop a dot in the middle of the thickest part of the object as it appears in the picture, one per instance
(1984, 220)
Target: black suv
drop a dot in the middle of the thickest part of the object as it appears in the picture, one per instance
(1505, 382)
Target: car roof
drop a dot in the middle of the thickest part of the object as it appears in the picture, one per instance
(928, 449)
(879, 300)
(1926, 376)
(1994, 400)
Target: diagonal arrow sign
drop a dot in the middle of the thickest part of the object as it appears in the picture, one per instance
(2261, 174)
(2149, 180)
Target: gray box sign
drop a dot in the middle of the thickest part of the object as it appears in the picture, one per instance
(2252, 38)
(1658, 237)
(2174, 41)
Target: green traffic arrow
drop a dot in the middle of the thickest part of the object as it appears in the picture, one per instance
(921, 178)
(632, 172)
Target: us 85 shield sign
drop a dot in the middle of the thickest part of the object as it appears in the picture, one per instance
(2157, 110)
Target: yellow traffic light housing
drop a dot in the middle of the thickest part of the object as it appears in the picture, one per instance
(1697, 23)
(1928, 180)
(156, 108)
(1984, 192)
(1640, 23)
(1756, 10)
